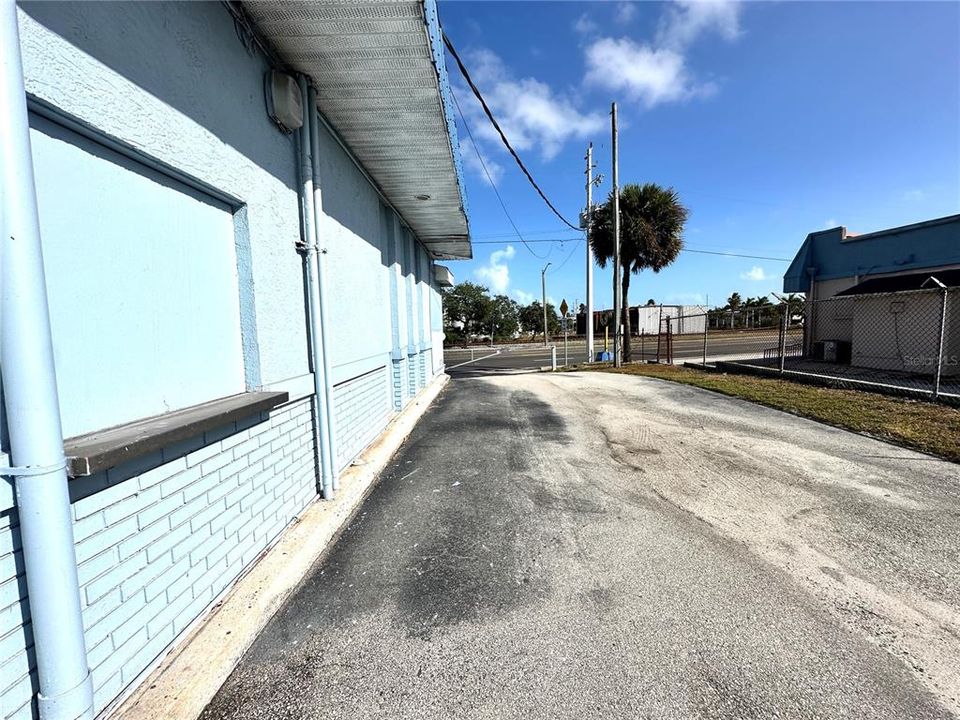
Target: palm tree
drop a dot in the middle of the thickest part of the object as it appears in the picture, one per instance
(733, 302)
(651, 236)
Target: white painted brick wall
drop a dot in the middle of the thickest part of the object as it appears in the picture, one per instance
(157, 544)
(362, 409)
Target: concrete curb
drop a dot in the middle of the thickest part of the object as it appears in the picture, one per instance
(185, 681)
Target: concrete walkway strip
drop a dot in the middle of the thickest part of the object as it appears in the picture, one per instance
(182, 684)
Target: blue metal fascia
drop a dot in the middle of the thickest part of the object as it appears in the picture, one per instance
(432, 18)
(834, 254)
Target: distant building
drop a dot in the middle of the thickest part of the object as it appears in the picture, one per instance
(647, 319)
(876, 300)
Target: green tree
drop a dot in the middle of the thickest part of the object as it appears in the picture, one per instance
(465, 308)
(503, 317)
(651, 236)
(531, 319)
(733, 303)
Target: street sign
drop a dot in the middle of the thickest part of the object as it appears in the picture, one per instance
(564, 307)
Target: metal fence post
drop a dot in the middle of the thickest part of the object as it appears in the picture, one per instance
(643, 345)
(784, 320)
(706, 325)
(940, 343)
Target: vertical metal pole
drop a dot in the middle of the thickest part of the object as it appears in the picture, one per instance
(940, 344)
(784, 318)
(617, 359)
(643, 344)
(706, 326)
(566, 360)
(543, 292)
(33, 410)
(589, 323)
(313, 217)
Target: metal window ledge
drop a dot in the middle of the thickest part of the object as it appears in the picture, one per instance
(90, 453)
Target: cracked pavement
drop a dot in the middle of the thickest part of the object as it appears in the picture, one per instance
(589, 545)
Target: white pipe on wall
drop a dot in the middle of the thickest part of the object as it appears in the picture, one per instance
(321, 259)
(33, 411)
(314, 303)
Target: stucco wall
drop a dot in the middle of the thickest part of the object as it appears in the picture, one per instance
(159, 539)
(110, 65)
(901, 332)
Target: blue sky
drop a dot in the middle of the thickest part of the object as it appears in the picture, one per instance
(771, 119)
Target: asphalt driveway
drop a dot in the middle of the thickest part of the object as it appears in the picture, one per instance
(587, 545)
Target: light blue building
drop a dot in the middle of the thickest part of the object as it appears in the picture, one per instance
(835, 260)
(885, 301)
(242, 293)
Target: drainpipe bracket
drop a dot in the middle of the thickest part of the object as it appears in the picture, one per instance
(74, 704)
(31, 470)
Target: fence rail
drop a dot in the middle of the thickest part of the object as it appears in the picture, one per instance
(897, 342)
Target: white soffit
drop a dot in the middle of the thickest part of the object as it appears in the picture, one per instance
(381, 84)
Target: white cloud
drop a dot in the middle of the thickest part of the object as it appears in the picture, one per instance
(472, 162)
(523, 297)
(650, 75)
(687, 20)
(914, 195)
(584, 25)
(656, 72)
(496, 273)
(531, 113)
(830, 224)
(756, 273)
(626, 12)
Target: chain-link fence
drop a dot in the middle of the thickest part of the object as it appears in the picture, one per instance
(895, 342)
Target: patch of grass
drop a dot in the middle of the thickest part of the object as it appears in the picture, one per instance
(924, 426)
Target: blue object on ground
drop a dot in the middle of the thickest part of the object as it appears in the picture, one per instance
(604, 356)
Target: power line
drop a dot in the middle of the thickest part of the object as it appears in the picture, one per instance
(493, 185)
(569, 255)
(736, 255)
(528, 233)
(684, 250)
(496, 125)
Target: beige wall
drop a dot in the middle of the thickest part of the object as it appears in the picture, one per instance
(900, 331)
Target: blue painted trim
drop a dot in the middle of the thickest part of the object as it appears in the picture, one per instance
(446, 99)
(56, 115)
(835, 254)
(248, 304)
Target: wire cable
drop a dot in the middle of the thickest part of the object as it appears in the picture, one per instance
(493, 185)
(496, 125)
(576, 243)
(684, 250)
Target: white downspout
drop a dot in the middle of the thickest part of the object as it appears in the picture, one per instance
(33, 410)
(321, 256)
(314, 304)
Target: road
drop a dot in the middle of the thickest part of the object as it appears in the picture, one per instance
(482, 360)
(589, 545)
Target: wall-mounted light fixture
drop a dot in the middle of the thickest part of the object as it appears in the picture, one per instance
(284, 101)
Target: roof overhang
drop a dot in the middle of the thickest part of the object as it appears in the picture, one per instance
(382, 85)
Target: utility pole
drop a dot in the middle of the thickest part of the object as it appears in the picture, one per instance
(589, 319)
(617, 358)
(543, 290)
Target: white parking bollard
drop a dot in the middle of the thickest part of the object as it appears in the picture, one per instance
(553, 357)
